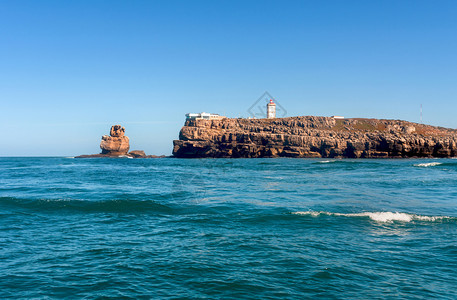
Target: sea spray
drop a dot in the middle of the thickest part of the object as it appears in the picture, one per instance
(430, 164)
(387, 217)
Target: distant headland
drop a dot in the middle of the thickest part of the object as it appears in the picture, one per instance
(212, 135)
(207, 135)
(311, 136)
(117, 144)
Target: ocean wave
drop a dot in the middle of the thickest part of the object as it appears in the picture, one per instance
(114, 205)
(349, 162)
(431, 164)
(382, 217)
(326, 161)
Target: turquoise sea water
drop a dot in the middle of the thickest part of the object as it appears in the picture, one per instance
(228, 228)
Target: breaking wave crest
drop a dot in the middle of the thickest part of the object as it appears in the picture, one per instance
(431, 164)
(384, 217)
(326, 161)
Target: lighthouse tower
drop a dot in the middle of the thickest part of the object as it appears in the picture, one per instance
(271, 110)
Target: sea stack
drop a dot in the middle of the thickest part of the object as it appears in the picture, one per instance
(116, 143)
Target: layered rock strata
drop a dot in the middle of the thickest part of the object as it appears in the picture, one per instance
(312, 136)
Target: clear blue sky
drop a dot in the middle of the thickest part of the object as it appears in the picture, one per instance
(71, 69)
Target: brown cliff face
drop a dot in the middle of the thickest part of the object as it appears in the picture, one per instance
(116, 143)
(313, 137)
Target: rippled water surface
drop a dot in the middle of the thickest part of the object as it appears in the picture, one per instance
(228, 228)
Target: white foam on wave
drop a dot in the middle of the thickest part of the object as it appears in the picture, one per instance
(431, 164)
(384, 217)
(326, 161)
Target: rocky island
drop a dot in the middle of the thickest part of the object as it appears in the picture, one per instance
(117, 144)
(311, 136)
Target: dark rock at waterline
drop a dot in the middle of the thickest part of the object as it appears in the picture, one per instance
(138, 154)
(129, 155)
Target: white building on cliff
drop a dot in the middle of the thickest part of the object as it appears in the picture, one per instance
(203, 116)
(271, 110)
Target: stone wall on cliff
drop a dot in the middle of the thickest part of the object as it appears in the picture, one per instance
(311, 136)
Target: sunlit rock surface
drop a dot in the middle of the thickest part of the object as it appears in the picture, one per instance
(312, 136)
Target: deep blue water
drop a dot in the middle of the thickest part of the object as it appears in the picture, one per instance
(228, 228)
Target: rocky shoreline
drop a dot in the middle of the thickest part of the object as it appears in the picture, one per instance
(311, 136)
(128, 155)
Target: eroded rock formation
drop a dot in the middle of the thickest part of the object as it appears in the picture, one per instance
(116, 143)
(313, 137)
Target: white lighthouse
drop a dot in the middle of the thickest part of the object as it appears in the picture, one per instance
(271, 110)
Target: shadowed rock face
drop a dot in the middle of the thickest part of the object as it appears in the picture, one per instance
(313, 137)
(116, 143)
